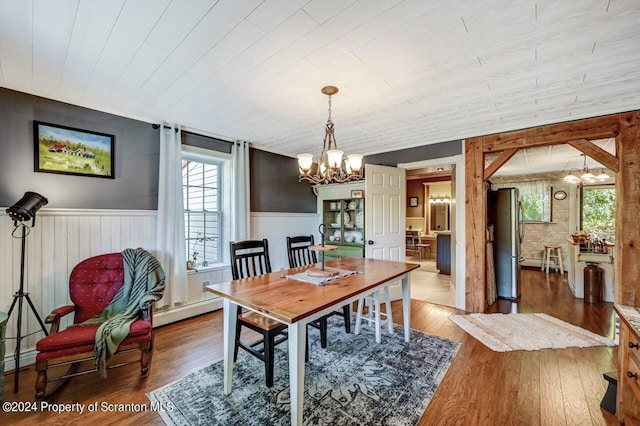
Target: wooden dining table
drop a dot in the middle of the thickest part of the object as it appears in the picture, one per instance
(297, 303)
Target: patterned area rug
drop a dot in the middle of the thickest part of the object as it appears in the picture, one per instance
(529, 332)
(353, 381)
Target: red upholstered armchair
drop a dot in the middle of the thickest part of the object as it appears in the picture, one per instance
(92, 285)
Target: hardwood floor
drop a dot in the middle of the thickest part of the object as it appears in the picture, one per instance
(549, 387)
(430, 286)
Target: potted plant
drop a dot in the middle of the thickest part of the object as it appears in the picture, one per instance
(193, 262)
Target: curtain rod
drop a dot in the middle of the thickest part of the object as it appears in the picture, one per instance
(157, 126)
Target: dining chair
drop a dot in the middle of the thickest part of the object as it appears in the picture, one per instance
(248, 259)
(300, 255)
(414, 244)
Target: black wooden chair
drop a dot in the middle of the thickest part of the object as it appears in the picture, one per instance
(300, 255)
(250, 258)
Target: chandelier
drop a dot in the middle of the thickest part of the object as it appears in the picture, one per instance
(330, 166)
(585, 175)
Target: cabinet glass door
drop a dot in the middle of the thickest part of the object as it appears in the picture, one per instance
(343, 220)
(354, 221)
(331, 217)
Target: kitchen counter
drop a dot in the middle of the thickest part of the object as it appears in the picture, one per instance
(578, 261)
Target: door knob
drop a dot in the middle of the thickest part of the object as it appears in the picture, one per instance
(370, 242)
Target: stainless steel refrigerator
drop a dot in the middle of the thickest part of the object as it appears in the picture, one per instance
(505, 214)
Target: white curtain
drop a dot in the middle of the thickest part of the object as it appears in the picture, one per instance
(525, 187)
(170, 249)
(240, 208)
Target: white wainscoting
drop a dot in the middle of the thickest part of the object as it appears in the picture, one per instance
(276, 227)
(60, 239)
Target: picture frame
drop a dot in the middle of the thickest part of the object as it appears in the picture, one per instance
(413, 201)
(357, 193)
(72, 151)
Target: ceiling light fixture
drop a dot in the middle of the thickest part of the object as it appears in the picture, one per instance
(602, 176)
(439, 199)
(331, 167)
(586, 176)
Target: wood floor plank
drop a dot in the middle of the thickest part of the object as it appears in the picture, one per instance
(573, 393)
(551, 400)
(528, 397)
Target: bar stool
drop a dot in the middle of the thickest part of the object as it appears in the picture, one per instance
(374, 315)
(548, 254)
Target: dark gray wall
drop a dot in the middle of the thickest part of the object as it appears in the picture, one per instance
(419, 153)
(275, 186)
(135, 186)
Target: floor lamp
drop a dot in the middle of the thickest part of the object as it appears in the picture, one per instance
(24, 210)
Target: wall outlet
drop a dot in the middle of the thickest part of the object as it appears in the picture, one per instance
(204, 284)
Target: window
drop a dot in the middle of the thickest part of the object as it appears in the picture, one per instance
(201, 187)
(536, 207)
(599, 211)
(535, 197)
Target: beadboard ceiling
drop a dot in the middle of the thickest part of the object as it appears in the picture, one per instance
(410, 72)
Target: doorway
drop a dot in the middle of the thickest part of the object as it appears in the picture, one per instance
(452, 171)
(550, 190)
(428, 219)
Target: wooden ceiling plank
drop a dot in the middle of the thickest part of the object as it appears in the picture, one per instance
(499, 162)
(50, 43)
(16, 44)
(594, 151)
(593, 128)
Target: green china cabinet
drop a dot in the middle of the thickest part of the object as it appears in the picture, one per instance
(342, 213)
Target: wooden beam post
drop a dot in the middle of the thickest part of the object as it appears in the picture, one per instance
(627, 254)
(475, 288)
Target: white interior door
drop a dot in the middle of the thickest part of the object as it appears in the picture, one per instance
(385, 216)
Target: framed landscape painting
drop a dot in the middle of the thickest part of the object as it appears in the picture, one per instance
(70, 151)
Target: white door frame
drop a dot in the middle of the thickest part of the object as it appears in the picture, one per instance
(459, 233)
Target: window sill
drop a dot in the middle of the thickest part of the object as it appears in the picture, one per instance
(208, 268)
